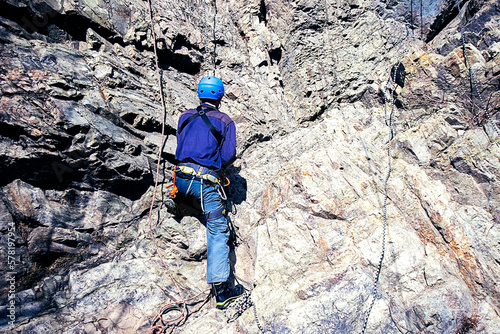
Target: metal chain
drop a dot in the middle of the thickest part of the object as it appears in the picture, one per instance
(389, 123)
(471, 73)
(240, 305)
(257, 318)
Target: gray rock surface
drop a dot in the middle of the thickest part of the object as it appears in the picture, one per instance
(312, 88)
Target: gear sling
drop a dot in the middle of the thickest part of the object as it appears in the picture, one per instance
(196, 208)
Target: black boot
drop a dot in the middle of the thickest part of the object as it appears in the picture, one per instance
(225, 295)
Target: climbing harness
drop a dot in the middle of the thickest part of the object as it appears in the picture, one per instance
(389, 123)
(471, 73)
(191, 170)
(201, 173)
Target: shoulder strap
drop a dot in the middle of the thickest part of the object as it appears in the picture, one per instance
(201, 113)
(187, 121)
(210, 126)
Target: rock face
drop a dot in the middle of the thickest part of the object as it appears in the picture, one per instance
(361, 138)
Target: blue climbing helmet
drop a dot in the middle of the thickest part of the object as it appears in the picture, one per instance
(210, 88)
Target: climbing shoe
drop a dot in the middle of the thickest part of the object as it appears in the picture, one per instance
(225, 295)
(171, 207)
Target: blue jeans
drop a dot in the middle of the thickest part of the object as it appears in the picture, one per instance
(217, 229)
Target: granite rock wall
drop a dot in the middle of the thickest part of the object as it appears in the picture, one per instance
(337, 104)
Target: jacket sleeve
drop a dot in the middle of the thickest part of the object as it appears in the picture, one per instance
(228, 150)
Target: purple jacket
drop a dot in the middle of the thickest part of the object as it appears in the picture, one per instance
(195, 143)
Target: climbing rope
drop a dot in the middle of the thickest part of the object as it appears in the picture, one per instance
(411, 17)
(413, 25)
(159, 324)
(421, 21)
(471, 73)
(389, 123)
(207, 38)
(162, 325)
(215, 38)
(204, 33)
(240, 305)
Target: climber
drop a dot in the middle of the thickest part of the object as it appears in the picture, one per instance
(206, 143)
